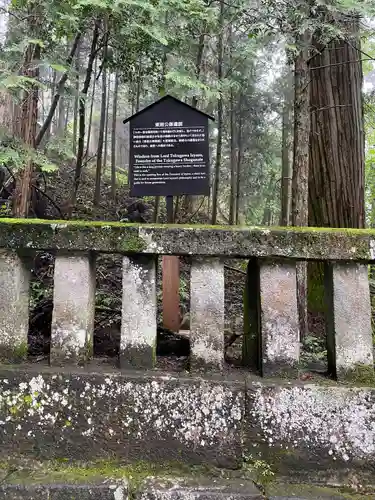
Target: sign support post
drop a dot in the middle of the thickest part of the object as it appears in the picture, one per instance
(169, 156)
(171, 282)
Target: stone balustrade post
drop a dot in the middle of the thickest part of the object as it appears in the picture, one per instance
(73, 309)
(14, 306)
(138, 324)
(278, 316)
(348, 321)
(207, 314)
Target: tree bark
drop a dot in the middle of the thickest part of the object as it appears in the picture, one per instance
(29, 116)
(233, 163)
(113, 138)
(301, 137)
(267, 212)
(103, 110)
(286, 165)
(239, 158)
(138, 86)
(105, 156)
(91, 110)
(188, 202)
(301, 165)
(336, 177)
(61, 117)
(82, 111)
(76, 105)
(220, 51)
(336, 180)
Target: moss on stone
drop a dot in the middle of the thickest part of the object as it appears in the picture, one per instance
(14, 355)
(133, 244)
(360, 375)
(64, 471)
(116, 237)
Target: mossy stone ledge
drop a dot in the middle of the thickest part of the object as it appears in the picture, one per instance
(236, 241)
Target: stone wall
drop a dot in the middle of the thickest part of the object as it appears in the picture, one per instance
(74, 415)
(75, 409)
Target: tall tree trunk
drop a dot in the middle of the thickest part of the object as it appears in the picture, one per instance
(286, 165)
(82, 115)
(162, 90)
(89, 128)
(301, 165)
(336, 178)
(76, 104)
(99, 157)
(61, 117)
(59, 90)
(114, 138)
(233, 162)
(239, 158)
(51, 128)
(220, 51)
(267, 212)
(138, 86)
(188, 203)
(29, 115)
(105, 156)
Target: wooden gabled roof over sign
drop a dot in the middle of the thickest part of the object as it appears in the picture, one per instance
(164, 99)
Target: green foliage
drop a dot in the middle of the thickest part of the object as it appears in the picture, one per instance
(59, 149)
(260, 470)
(38, 293)
(314, 349)
(18, 155)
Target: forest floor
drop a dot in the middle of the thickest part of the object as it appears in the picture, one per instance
(172, 350)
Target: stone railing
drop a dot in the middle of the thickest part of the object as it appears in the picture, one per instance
(272, 333)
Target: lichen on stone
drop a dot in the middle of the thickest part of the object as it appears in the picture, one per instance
(197, 415)
(337, 421)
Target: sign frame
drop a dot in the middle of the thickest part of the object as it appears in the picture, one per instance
(169, 150)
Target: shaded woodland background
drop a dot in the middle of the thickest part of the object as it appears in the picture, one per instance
(291, 85)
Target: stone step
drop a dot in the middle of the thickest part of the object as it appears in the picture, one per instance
(48, 482)
(154, 489)
(150, 490)
(202, 489)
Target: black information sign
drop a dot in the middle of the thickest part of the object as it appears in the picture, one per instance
(169, 153)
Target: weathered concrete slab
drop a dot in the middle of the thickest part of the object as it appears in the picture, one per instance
(200, 489)
(299, 243)
(311, 426)
(73, 309)
(278, 318)
(348, 320)
(138, 323)
(49, 414)
(14, 306)
(207, 314)
(112, 490)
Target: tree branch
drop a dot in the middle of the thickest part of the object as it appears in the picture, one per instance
(360, 51)
(341, 63)
(59, 91)
(49, 199)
